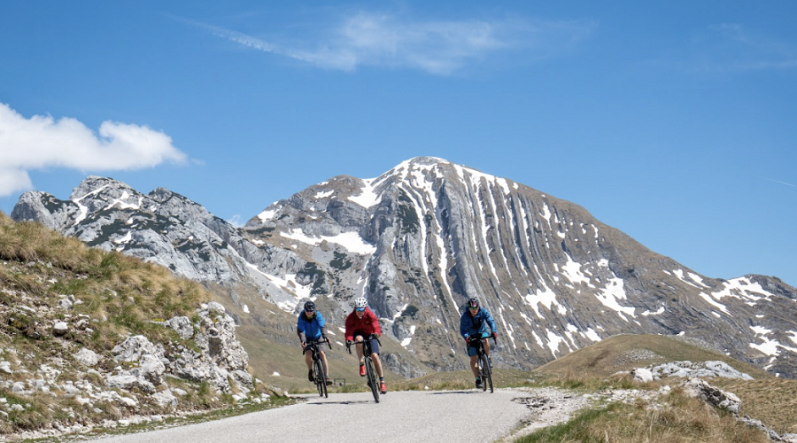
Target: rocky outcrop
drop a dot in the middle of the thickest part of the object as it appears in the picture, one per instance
(688, 369)
(221, 358)
(718, 398)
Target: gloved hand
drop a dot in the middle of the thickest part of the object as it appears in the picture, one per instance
(324, 339)
(494, 335)
(467, 339)
(348, 342)
(374, 335)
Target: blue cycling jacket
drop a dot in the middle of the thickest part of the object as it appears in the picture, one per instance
(311, 329)
(476, 324)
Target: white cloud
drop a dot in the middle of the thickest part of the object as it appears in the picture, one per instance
(437, 47)
(731, 47)
(42, 142)
(782, 183)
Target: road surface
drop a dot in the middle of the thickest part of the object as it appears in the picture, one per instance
(402, 416)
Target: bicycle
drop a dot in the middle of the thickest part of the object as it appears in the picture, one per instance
(485, 369)
(370, 371)
(319, 374)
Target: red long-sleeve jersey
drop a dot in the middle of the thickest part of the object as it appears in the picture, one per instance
(367, 325)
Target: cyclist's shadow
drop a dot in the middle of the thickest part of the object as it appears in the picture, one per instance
(347, 402)
(468, 392)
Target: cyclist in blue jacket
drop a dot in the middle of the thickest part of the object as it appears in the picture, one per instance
(474, 323)
(311, 327)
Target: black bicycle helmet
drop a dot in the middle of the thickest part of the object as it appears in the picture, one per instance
(473, 303)
(309, 306)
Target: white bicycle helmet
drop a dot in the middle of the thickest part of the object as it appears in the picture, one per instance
(360, 302)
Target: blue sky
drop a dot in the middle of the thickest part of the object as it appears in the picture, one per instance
(674, 123)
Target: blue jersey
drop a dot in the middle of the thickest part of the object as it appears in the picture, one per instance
(476, 324)
(311, 328)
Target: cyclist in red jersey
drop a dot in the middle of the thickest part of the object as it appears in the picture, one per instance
(360, 325)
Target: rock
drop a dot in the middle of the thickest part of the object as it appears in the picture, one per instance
(165, 398)
(65, 303)
(87, 357)
(714, 396)
(222, 359)
(182, 325)
(150, 368)
(708, 369)
(129, 381)
(134, 347)
(60, 328)
(642, 375)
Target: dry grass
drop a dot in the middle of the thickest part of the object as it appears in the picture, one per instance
(773, 401)
(675, 419)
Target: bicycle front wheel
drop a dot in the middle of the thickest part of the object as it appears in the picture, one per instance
(372, 381)
(487, 373)
(321, 378)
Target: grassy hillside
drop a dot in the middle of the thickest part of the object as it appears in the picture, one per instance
(626, 352)
(675, 417)
(103, 298)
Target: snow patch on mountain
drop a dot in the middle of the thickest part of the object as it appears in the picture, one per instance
(268, 214)
(547, 298)
(610, 295)
(658, 312)
(742, 287)
(123, 204)
(769, 346)
(368, 196)
(349, 240)
(680, 274)
(711, 301)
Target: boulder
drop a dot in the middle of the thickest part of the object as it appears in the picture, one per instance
(87, 357)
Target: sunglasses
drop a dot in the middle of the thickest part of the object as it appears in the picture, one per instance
(309, 311)
(473, 308)
(360, 309)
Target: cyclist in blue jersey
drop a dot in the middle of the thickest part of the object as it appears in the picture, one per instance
(310, 327)
(474, 323)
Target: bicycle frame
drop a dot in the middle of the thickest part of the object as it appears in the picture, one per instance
(319, 370)
(485, 369)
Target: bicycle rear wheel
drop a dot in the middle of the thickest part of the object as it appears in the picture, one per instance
(487, 373)
(371, 373)
(320, 378)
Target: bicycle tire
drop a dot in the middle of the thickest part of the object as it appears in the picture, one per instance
(370, 372)
(488, 374)
(321, 378)
(483, 371)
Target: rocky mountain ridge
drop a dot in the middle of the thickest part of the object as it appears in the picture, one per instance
(421, 239)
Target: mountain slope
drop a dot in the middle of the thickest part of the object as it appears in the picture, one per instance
(419, 241)
(88, 336)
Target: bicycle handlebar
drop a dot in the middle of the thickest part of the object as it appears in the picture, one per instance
(316, 342)
(370, 337)
(479, 339)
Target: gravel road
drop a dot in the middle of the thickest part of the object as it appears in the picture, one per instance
(420, 416)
